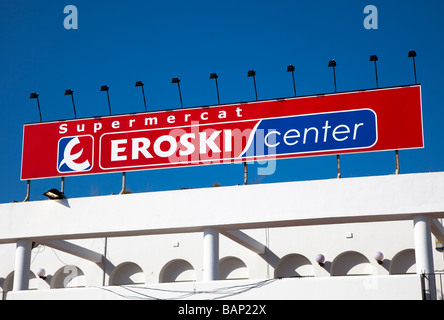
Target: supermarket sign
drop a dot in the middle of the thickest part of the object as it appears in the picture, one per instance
(340, 123)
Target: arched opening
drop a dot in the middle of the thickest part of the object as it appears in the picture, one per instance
(177, 271)
(351, 263)
(68, 277)
(8, 283)
(294, 265)
(127, 273)
(231, 268)
(403, 262)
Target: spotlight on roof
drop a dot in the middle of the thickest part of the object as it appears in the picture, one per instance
(332, 63)
(215, 76)
(34, 95)
(69, 92)
(140, 84)
(251, 73)
(291, 68)
(412, 54)
(54, 194)
(177, 80)
(106, 88)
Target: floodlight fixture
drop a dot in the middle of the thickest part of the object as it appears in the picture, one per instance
(290, 68)
(34, 95)
(375, 58)
(106, 88)
(412, 54)
(215, 76)
(252, 73)
(140, 84)
(54, 194)
(69, 92)
(332, 63)
(177, 80)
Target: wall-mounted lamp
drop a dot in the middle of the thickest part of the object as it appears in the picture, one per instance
(106, 88)
(215, 76)
(320, 259)
(252, 73)
(54, 194)
(34, 95)
(412, 54)
(177, 80)
(69, 92)
(140, 84)
(41, 273)
(290, 68)
(375, 58)
(379, 257)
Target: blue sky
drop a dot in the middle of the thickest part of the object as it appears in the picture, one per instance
(120, 42)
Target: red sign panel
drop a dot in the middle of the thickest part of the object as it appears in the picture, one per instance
(350, 122)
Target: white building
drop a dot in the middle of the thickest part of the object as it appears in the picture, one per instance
(242, 242)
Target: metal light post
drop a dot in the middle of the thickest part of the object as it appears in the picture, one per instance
(375, 58)
(215, 76)
(177, 80)
(290, 68)
(252, 73)
(140, 84)
(69, 92)
(332, 64)
(36, 96)
(412, 54)
(106, 88)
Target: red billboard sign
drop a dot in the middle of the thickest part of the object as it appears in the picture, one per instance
(350, 122)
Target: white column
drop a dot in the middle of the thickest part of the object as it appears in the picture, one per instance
(22, 265)
(424, 253)
(211, 255)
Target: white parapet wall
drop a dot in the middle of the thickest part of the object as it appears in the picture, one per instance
(402, 287)
(266, 232)
(381, 198)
